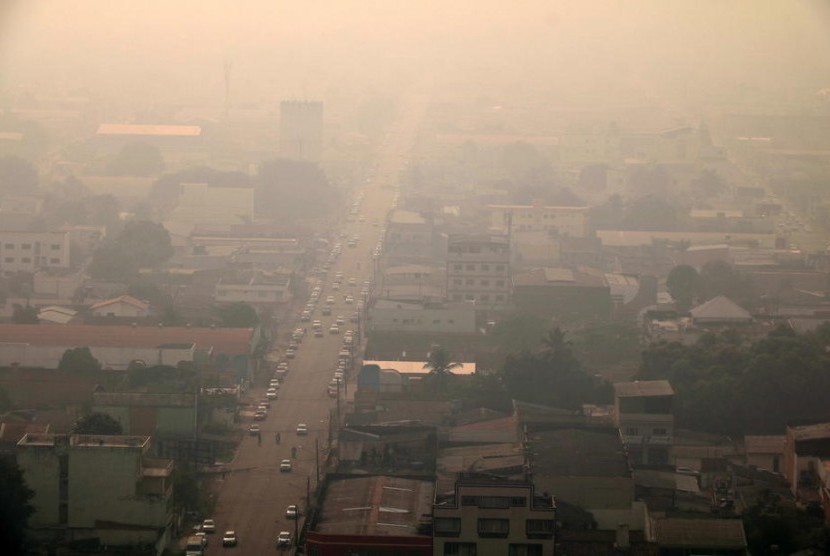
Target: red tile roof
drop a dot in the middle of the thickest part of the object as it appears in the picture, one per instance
(231, 341)
(128, 299)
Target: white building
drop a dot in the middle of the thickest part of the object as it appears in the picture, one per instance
(33, 251)
(566, 221)
(434, 318)
(261, 288)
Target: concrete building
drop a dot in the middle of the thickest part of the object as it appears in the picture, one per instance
(411, 237)
(301, 130)
(478, 270)
(32, 251)
(381, 515)
(257, 288)
(765, 452)
(104, 488)
(149, 413)
(643, 413)
(421, 318)
(564, 293)
(488, 515)
(564, 221)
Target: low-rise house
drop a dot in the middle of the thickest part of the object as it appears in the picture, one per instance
(380, 514)
(565, 221)
(720, 311)
(679, 537)
(55, 314)
(258, 289)
(766, 452)
(807, 453)
(123, 306)
(104, 490)
(421, 318)
(564, 293)
(643, 413)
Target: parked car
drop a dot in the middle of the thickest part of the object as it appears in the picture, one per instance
(229, 538)
(291, 512)
(254, 429)
(302, 429)
(285, 465)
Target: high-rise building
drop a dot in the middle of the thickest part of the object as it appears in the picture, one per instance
(301, 130)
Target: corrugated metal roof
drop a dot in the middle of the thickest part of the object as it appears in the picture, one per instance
(559, 274)
(145, 130)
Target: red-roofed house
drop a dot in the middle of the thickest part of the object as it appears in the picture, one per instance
(121, 306)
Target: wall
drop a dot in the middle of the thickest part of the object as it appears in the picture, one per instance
(41, 470)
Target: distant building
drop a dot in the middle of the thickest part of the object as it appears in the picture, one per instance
(488, 515)
(478, 270)
(256, 288)
(124, 306)
(419, 318)
(411, 237)
(102, 489)
(301, 130)
(643, 412)
(33, 251)
(565, 221)
(563, 293)
(202, 202)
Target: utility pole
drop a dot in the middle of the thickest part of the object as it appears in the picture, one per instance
(317, 459)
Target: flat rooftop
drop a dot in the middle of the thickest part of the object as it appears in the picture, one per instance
(374, 506)
(84, 440)
(578, 453)
(642, 388)
(417, 367)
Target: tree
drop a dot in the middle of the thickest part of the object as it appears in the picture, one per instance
(97, 423)
(683, 283)
(15, 508)
(109, 262)
(17, 176)
(237, 315)
(440, 365)
(293, 189)
(24, 314)
(721, 278)
(137, 159)
(148, 243)
(78, 359)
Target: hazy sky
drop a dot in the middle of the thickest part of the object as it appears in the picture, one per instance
(174, 50)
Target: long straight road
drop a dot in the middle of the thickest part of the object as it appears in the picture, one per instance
(255, 494)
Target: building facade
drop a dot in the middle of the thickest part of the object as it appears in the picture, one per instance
(33, 251)
(488, 515)
(90, 487)
(565, 221)
(478, 270)
(643, 411)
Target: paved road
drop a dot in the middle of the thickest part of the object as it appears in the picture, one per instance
(254, 495)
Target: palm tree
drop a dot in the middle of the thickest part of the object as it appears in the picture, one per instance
(440, 366)
(554, 343)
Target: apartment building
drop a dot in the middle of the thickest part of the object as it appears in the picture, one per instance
(565, 221)
(33, 251)
(643, 413)
(256, 288)
(478, 269)
(491, 515)
(94, 487)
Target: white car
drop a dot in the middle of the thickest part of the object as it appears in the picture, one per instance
(291, 512)
(254, 430)
(334, 329)
(283, 539)
(271, 394)
(330, 300)
(285, 465)
(209, 526)
(302, 429)
(229, 538)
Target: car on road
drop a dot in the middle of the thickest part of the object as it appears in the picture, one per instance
(317, 324)
(318, 334)
(285, 466)
(266, 403)
(284, 539)
(305, 316)
(209, 526)
(330, 300)
(302, 429)
(254, 429)
(271, 394)
(229, 538)
(334, 329)
(260, 416)
(349, 299)
(290, 353)
(326, 311)
(340, 320)
(291, 512)
(335, 286)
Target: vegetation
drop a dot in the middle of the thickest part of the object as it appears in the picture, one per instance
(137, 159)
(97, 423)
(15, 508)
(723, 386)
(440, 365)
(688, 287)
(17, 176)
(770, 523)
(24, 314)
(237, 315)
(683, 283)
(140, 244)
(293, 189)
(78, 360)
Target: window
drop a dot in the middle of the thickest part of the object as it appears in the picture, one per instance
(447, 526)
(459, 549)
(524, 550)
(470, 297)
(631, 431)
(26, 246)
(456, 297)
(456, 281)
(485, 282)
(493, 527)
(475, 249)
(456, 267)
(26, 260)
(9, 246)
(499, 268)
(485, 267)
(469, 500)
(660, 432)
(500, 283)
(501, 502)
(55, 247)
(518, 501)
(499, 298)
(470, 267)
(485, 298)
(436, 321)
(470, 282)
(8, 260)
(53, 260)
(539, 528)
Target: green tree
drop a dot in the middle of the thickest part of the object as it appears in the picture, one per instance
(78, 359)
(521, 332)
(24, 314)
(15, 508)
(237, 315)
(292, 190)
(683, 283)
(440, 365)
(97, 423)
(109, 262)
(137, 159)
(148, 243)
(721, 278)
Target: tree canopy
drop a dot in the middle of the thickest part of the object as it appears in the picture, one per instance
(683, 283)
(140, 244)
(137, 159)
(237, 315)
(97, 423)
(17, 176)
(293, 189)
(15, 508)
(78, 359)
(440, 365)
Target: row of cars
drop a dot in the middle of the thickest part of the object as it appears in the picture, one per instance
(196, 544)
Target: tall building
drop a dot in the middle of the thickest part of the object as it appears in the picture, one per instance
(478, 269)
(96, 487)
(301, 130)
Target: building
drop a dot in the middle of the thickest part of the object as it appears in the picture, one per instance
(381, 515)
(478, 270)
(94, 488)
(301, 130)
(538, 217)
(421, 318)
(32, 345)
(643, 412)
(806, 456)
(488, 515)
(564, 293)
(123, 306)
(765, 452)
(219, 205)
(720, 311)
(33, 251)
(258, 289)
(411, 237)
(682, 537)
(149, 413)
